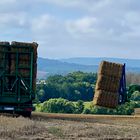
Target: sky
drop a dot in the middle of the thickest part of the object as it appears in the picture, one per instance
(74, 28)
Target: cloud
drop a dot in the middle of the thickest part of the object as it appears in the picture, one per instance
(67, 28)
(83, 25)
(12, 20)
(42, 23)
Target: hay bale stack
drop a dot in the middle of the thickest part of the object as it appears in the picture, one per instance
(107, 85)
(24, 60)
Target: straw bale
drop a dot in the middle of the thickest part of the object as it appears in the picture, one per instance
(107, 83)
(15, 43)
(4, 43)
(20, 49)
(105, 99)
(23, 63)
(110, 69)
(24, 57)
(4, 47)
(25, 47)
(24, 72)
(20, 46)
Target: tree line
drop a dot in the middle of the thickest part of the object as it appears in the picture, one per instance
(73, 87)
(67, 94)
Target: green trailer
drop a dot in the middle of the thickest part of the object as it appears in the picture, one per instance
(18, 66)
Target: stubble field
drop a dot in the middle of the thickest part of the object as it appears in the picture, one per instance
(52, 129)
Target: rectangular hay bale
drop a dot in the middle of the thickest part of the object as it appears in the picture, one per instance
(107, 83)
(110, 69)
(105, 99)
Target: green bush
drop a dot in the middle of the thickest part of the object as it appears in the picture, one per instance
(132, 89)
(79, 107)
(86, 111)
(59, 105)
(125, 109)
(38, 107)
(135, 96)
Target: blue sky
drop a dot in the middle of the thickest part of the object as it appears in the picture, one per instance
(74, 28)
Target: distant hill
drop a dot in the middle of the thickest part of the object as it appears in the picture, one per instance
(96, 61)
(47, 67)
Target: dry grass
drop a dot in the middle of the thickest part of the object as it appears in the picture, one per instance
(104, 129)
(15, 128)
(97, 129)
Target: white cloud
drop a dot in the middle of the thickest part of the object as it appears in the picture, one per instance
(12, 20)
(83, 25)
(42, 22)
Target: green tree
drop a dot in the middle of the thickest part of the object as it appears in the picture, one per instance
(73, 86)
(132, 89)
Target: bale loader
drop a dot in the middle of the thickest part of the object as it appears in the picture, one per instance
(110, 89)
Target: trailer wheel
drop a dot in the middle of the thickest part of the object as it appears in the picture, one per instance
(25, 114)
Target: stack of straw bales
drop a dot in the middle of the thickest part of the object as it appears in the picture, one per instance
(24, 60)
(9, 59)
(107, 85)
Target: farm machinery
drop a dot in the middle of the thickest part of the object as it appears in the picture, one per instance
(110, 89)
(17, 77)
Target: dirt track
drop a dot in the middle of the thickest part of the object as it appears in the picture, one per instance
(82, 117)
(70, 127)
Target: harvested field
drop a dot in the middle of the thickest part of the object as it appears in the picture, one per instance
(43, 128)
